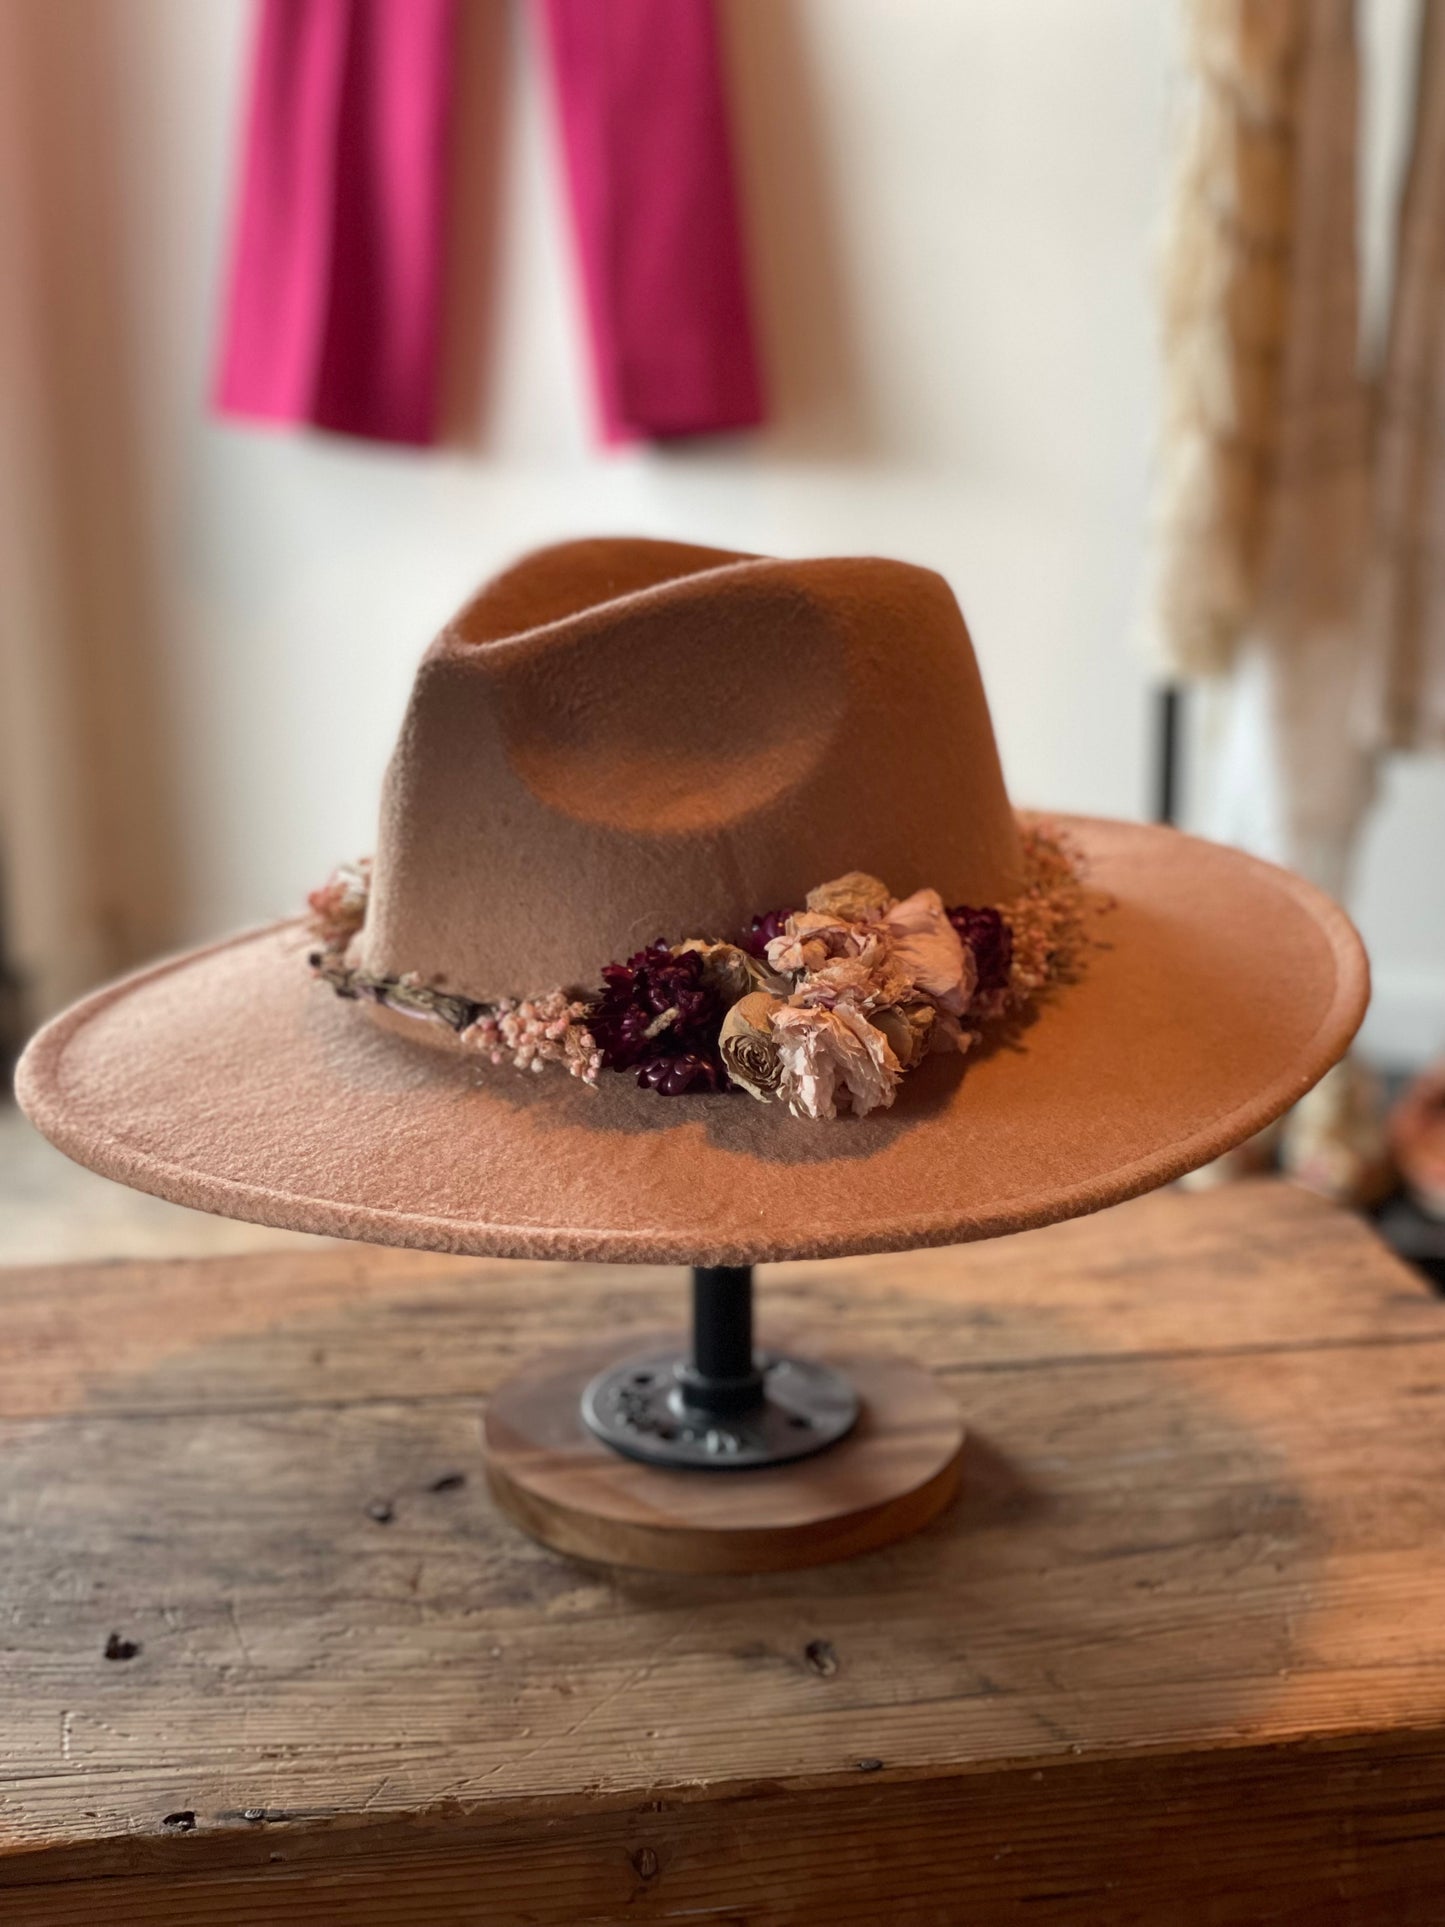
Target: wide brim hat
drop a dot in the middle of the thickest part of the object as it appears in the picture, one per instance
(538, 814)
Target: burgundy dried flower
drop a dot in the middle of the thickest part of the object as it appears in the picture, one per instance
(762, 931)
(990, 939)
(657, 1014)
(674, 1076)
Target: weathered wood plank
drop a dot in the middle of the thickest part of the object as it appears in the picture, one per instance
(1308, 1837)
(1120, 1591)
(1163, 1274)
(1203, 1521)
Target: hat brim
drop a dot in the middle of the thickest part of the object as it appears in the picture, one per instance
(227, 1080)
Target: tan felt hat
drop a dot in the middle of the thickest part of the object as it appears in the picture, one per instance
(617, 740)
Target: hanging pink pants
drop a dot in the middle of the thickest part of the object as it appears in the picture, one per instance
(334, 316)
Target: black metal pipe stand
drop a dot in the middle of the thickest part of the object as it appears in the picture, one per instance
(718, 1403)
(722, 1376)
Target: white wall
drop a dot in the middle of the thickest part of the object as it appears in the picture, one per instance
(953, 205)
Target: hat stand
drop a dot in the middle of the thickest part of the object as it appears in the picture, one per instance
(720, 1405)
(708, 1455)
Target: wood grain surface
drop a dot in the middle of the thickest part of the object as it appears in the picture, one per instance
(1176, 1653)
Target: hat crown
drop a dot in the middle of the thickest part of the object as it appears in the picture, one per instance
(618, 740)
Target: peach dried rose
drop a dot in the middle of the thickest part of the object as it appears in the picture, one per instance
(928, 949)
(810, 938)
(833, 1059)
(864, 982)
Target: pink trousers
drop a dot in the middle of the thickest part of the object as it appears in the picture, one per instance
(335, 304)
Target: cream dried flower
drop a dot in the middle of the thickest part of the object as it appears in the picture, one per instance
(947, 1034)
(833, 1059)
(930, 952)
(730, 971)
(856, 898)
(909, 1028)
(748, 1048)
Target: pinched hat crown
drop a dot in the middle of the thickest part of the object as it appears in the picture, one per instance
(616, 739)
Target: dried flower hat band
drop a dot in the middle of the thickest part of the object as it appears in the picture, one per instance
(822, 1008)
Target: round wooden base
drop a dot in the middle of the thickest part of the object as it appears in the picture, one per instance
(894, 1472)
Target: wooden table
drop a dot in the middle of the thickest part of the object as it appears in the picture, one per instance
(1178, 1653)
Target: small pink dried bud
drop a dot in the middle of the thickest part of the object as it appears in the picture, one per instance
(338, 908)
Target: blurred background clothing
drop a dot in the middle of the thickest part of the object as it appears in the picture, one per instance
(1405, 593)
(1303, 473)
(339, 266)
(91, 796)
(333, 302)
(951, 215)
(646, 133)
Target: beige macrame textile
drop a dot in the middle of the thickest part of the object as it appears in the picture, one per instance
(1289, 522)
(1265, 481)
(1306, 620)
(1225, 315)
(1405, 596)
